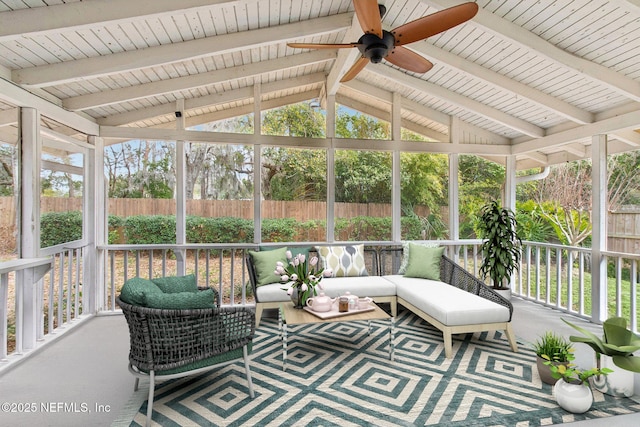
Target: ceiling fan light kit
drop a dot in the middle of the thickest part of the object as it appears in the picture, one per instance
(377, 44)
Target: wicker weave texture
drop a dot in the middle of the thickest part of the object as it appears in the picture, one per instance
(169, 339)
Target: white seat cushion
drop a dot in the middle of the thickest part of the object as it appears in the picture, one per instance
(362, 286)
(447, 304)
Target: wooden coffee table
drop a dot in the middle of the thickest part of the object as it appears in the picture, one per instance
(289, 316)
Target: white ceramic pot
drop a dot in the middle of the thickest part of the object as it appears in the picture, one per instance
(575, 398)
(618, 383)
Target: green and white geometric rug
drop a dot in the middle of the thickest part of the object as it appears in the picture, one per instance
(337, 375)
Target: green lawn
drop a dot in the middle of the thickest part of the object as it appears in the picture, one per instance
(548, 286)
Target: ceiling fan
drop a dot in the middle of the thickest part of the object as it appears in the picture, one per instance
(377, 44)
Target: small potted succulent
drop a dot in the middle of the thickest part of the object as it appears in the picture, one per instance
(572, 391)
(553, 348)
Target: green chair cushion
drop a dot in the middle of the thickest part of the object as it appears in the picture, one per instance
(177, 284)
(181, 300)
(264, 263)
(424, 262)
(136, 289)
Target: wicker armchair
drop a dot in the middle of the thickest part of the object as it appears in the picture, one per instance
(169, 344)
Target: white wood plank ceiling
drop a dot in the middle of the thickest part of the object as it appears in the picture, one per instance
(532, 78)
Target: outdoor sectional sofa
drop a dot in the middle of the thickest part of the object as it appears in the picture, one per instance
(448, 297)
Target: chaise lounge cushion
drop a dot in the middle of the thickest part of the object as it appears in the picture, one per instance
(176, 284)
(447, 304)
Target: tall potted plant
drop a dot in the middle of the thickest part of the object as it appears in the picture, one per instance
(614, 350)
(501, 245)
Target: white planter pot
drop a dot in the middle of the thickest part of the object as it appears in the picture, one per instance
(617, 383)
(504, 293)
(575, 398)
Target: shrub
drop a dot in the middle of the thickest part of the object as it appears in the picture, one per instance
(150, 229)
(219, 230)
(60, 227)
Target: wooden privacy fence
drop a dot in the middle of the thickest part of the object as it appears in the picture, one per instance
(300, 210)
(623, 226)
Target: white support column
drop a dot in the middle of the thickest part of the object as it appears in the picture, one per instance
(599, 205)
(454, 188)
(95, 227)
(331, 171)
(510, 184)
(30, 164)
(181, 200)
(257, 164)
(396, 196)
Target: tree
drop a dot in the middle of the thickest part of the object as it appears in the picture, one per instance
(141, 169)
(565, 199)
(480, 181)
(6, 170)
(623, 179)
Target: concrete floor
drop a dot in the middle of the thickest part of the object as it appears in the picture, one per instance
(82, 379)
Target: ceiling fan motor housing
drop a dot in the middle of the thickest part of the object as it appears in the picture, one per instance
(375, 48)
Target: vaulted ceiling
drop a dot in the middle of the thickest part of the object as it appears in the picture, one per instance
(536, 79)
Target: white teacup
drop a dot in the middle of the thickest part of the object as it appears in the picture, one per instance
(364, 302)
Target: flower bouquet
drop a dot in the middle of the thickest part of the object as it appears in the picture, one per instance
(302, 277)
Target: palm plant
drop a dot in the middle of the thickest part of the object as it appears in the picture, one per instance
(501, 247)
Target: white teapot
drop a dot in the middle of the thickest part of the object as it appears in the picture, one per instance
(321, 303)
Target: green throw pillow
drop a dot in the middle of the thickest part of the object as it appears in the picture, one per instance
(176, 284)
(264, 263)
(181, 300)
(135, 289)
(405, 254)
(424, 262)
(304, 250)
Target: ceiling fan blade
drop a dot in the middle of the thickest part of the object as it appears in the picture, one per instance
(321, 45)
(355, 69)
(409, 60)
(368, 15)
(435, 23)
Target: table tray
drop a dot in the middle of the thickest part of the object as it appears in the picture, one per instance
(335, 313)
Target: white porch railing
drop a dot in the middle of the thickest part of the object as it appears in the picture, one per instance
(60, 293)
(543, 277)
(39, 298)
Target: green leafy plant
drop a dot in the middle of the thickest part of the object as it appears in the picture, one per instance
(501, 247)
(617, 341)
(553, 347)
(570, 373)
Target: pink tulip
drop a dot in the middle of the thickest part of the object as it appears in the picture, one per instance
(302, 258)
(303, 287)
(294, 277)
(289, 291)
(313, 261)
(284, 278)
(288, 254)
(327, 273)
